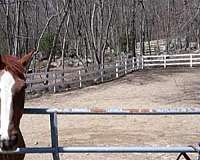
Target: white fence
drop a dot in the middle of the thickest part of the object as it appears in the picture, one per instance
(82, 77)
(78, 78)
(171, 60)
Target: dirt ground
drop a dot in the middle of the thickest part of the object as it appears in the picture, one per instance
(155, 88)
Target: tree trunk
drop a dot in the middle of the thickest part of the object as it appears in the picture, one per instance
(17, 27)
(168, 25)
(26, 28)
(64, 41)
(52, 52)
(142, 29)
(198, 38)
(133, 28)
(107, 30)
(36, 31)
(8, 28)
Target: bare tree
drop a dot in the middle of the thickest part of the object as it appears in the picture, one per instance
(65, 11)
(94, 25)
(17, 26)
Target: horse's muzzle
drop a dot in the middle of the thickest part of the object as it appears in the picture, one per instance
(10, 144)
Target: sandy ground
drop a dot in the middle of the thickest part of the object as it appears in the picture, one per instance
(158, 88)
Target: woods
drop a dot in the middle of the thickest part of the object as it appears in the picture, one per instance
(96, 31)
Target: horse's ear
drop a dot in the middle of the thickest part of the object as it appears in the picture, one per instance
(27, 58)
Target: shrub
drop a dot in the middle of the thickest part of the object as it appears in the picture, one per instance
(46, 43)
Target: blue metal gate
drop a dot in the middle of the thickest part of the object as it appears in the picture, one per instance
(55, 149)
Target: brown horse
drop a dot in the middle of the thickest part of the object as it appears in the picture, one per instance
(12, 94)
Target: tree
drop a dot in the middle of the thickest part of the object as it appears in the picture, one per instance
(89, 27)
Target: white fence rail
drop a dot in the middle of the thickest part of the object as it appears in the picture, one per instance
(171, 60)
(79, 78)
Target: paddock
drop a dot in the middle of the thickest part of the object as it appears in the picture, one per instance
(150, 89)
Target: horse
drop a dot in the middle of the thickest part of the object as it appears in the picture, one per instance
(12, 94)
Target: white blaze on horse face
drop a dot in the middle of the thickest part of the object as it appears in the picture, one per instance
(6, 83)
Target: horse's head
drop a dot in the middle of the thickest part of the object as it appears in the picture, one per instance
(12, 93)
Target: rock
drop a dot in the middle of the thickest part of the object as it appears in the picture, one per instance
(36, 143)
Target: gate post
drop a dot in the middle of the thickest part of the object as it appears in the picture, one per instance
(54, 135)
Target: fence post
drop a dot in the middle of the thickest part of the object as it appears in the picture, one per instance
(133, 63)
(46, 81)
(142, 61)
(117, 70)
(190, 60)
(164, 57)
(125, 65)
(80, 79)
(31, 84)
(54, 135)
(54, 87)
(63, 77)
(138, 62)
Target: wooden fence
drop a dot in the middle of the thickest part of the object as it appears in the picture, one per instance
(79, 78)
(162, 45)
(171, 60)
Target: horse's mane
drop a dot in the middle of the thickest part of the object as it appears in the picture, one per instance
(12, 64)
